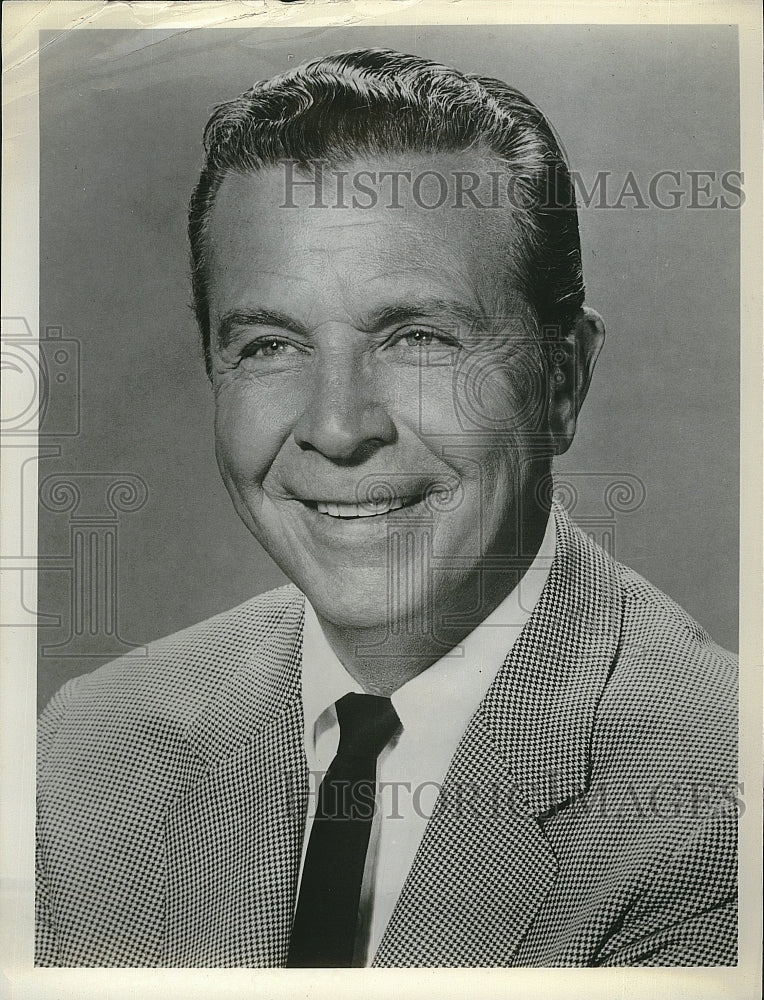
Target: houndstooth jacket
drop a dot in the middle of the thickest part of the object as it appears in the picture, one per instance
(588, 817)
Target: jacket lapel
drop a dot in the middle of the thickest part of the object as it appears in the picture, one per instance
(484, 865)
(481, 872)
(234, 841)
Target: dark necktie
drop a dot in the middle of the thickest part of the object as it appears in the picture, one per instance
(323, 934)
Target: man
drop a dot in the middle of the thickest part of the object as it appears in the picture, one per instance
(465, 736)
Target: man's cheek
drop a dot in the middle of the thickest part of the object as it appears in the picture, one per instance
(487, 396)
(237, 455)
(434, 411)
(240, 435)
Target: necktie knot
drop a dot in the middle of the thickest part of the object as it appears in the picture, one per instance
(366, 722)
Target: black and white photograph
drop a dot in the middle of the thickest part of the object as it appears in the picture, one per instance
(376, 457)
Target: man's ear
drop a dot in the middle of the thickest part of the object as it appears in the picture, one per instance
(570, 373)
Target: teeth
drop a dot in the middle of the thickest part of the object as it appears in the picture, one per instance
(357, 509)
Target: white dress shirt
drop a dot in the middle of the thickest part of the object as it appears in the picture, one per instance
(434, 709)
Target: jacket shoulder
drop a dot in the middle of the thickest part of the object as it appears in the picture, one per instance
(659, 629)
(168, 682)
(672, 690)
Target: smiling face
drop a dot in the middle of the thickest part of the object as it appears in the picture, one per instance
(375, 377)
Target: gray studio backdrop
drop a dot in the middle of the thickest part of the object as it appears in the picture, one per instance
(137, 535)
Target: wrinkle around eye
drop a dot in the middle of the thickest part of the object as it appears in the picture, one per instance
(269, 347)
(432, 346)
(267, 354)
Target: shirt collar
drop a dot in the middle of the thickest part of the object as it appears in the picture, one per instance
(324, 679)
(456, 683)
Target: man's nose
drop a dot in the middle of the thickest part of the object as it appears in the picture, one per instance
(344, 419)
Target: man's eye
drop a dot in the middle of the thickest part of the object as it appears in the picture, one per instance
(422, 346)
(420, 337)
(268, 347)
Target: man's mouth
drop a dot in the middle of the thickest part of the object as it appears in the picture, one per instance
(366, 509)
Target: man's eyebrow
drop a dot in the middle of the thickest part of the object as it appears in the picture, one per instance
(464, 317)
(461, 314)
(237, 318)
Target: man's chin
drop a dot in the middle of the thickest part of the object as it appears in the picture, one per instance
(353, 599)
(353, 610)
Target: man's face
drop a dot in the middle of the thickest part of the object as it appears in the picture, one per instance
(361, 354)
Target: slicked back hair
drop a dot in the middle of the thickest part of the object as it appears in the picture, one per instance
(378, 101)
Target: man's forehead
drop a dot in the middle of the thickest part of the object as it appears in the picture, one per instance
(266, 238)
(468, 190)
